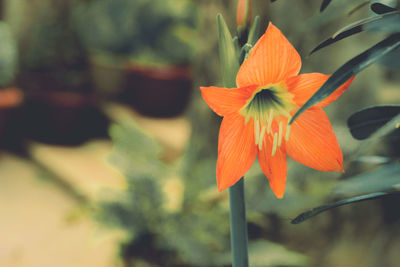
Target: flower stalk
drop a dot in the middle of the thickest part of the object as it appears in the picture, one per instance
(239, 239)
(229, 58)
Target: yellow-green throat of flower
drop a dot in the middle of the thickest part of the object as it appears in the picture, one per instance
(266, 105)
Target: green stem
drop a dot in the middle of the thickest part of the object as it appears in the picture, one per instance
(229, 55)
(239, 238)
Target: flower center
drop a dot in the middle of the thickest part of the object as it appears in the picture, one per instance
(270, 105)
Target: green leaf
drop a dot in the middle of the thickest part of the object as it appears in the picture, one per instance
(391, 60)
(315, 211)
(373, 159)
(357, 8)
(384, 179)
(364, 123)
(379, 8)
(244, 53)
(389, 22)
(135, 152)
(254, 31)
(227, 54)
(375, 137)
(349, 69)
(236, 45)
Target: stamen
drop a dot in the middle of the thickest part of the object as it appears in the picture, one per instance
(280, 134)
(275, 145)
(287, 132)
(269, 121)
(285, 112)
(257, 131)
(247, 118)
(262, 137)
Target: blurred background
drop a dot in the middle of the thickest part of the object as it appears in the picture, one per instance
(108, 151)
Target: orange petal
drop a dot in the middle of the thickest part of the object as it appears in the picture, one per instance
(274, 167)
(313, 143)
(236, 150)
(303, 86)
(224, 101)
(271, 60)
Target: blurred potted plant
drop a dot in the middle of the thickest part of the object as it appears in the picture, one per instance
(142, 48)
(60, 107)
(10, 96)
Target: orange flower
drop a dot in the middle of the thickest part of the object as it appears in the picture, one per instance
(256, 116)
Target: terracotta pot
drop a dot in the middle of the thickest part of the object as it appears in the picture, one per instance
(63, 118)
(10, 103)
(158, 91)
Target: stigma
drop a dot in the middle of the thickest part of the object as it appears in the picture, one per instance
(270, 108)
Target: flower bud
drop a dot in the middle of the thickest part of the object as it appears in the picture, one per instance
(244, 13)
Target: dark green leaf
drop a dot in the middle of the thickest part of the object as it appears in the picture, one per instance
(324, 5)
(349, 69)
(338, 37)
(315, 211)
(389, 22)
(364, 123)
(379, 8)
(384, 179)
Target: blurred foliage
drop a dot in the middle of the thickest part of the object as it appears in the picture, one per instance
(50, 41)
(156, 205)
(175, 212)
(147, 31)
(8, 55)
(51, 55)
(367, 182)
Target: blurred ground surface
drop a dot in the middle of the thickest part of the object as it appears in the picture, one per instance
(35, 224)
